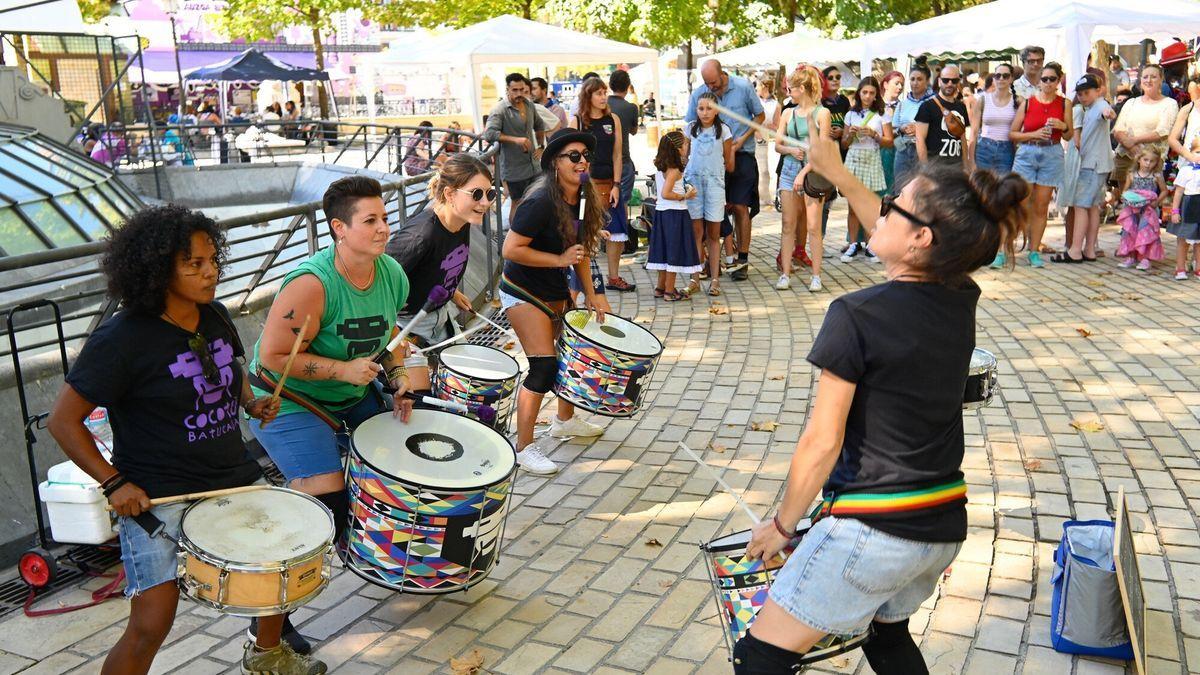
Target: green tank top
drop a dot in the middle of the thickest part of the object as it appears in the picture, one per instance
(355, 324)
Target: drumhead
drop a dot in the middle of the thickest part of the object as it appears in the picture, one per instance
(981, 361)
(435, 449)
(479, 362)
(268, 525)
(618, 334)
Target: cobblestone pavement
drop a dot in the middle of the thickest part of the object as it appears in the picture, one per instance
(600, 570)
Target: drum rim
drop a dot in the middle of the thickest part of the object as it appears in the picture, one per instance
(980, 370)
(192, 547)
(515, 364)
(852, 642)
(435, 488)
(802, 528)
(567, 326)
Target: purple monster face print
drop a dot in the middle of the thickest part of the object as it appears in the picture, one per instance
(216, 404)
(453, 266)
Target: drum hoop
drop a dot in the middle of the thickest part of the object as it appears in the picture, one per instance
(268, 566)
(516, 366)
(802, 529)
(432, 488)
(617, 350)
(841, 648)
(979, 370)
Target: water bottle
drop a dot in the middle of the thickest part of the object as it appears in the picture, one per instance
(97, 425)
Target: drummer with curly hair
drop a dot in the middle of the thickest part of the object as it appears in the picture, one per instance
(883, 445)
(556, 227)
(167, 367)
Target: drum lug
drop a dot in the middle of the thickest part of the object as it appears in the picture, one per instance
(222, 586)
(283, 587)
(190, 585)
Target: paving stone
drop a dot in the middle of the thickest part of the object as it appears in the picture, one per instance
(583, 655)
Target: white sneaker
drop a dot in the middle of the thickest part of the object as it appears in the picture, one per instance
(851, 251)
(573, 427)
(815, 284)
(1144, 265)
(1181, 275)
(784, 283)
(532, 459)
(1126, 263)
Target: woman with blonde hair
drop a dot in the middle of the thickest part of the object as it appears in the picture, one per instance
(800, 208)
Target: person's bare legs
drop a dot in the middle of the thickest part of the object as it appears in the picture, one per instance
(816, 238)
(613, 250)
(1078, 233)
(741, 227)
(713, 242)
(151, 614)
(1040, 208)
(1092, 236)
(1181, 251)
(791, 204)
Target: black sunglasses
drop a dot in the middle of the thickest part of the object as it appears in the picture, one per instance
(1001, 76)
(888, 204)
(479, 193)
(1049, 78)
(576, 156)
(199, 346)
(950, 80)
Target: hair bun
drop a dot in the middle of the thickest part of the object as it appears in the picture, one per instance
(999, 196)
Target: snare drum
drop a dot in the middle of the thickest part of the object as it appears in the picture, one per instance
(427, 501)
(478, 374)
(981, 380)
(605, 367)
(740, 587)
(255, 553)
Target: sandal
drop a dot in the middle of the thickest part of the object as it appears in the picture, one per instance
(619, 284)
(674, 296)
(658, 292)
(692, 288)
(714, 290)
(1065, 257)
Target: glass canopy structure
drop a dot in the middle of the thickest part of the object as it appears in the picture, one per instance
(52, 196)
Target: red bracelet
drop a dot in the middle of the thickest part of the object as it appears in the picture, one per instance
(780, 528)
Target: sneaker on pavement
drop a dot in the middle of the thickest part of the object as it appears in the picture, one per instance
(1035, 259)
(871, 257)
(740, 271)
(784, 283)
(815, 284)
(533, 460)
(282, 660)
(1125, 263)
(298, 643)
(573, 427)
(850, 252)
(1181, 275)
(999, 261)
(1144, 265)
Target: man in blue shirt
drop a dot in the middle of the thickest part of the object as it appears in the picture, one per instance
(741, 184)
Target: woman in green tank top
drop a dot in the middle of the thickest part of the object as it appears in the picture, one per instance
(352, 294)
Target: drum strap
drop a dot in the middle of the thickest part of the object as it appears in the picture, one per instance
(521, 293)
(864, 503)
(266, 381)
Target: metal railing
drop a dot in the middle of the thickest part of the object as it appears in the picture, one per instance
(263, 248)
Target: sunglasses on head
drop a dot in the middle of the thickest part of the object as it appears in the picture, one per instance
(576, 156)
(888, 204)
(199, 346)
(479, 193)
(950, 80)
(1049, 78)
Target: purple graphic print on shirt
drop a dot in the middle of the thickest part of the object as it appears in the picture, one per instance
(216, 404)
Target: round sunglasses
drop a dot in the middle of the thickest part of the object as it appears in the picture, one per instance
(576, 156)
(479, 193)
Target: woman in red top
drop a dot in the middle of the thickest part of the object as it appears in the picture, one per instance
(1039, 128)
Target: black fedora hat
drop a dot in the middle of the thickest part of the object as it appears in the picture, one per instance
(563, 137)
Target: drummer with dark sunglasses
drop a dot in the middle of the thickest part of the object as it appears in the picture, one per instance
(167, 366)
(556, 228)
(434, 246)
(883, 445)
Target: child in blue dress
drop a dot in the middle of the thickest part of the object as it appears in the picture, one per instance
(673, 245)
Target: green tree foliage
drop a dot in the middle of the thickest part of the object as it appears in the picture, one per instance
(669, 23)
(94, 11)
(865, 16)
(453, 13)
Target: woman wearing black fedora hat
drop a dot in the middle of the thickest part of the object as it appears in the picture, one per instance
(556, 227)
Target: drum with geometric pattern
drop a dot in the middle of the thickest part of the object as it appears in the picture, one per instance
(479, 375)
(605, 367)
(428, 500)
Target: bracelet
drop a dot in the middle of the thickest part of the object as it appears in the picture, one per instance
(109, 480)
(108, 491)
(781, 529)
(1174, 212)
(397, 372)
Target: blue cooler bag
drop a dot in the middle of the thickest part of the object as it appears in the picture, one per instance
(1086, 614)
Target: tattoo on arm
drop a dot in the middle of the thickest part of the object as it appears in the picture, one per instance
(295, 331)
(310, 369)
(290, 315)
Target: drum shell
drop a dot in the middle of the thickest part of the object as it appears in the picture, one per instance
(600, 379)
(450, 384)
(981, 382)
(740, 585)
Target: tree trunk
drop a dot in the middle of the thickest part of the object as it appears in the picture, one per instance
(687, 50)
(528, 10)
(314, 22)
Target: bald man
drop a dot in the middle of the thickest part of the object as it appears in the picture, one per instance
(936, 141)
(741, 184)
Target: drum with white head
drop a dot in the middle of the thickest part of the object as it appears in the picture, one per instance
(605, 367)
(481, 375)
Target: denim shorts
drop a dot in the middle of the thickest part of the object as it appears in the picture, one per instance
(302, 445)
(994, 155)
(903, 165)
(1089, 188)
(709, 203)
(791, 169)
(150, 561)
(872, 575)
(1039, 164)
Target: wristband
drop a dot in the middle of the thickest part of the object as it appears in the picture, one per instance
(397, 372)
(1174, 212)
(109, 480)
(780, 528)
(108, 491)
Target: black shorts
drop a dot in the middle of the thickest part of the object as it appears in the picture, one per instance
(741, 184)
(517, 188)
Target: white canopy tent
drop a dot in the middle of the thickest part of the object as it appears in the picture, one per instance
(1065, 28)
(789, 49)
(512, 40)
(40, 16)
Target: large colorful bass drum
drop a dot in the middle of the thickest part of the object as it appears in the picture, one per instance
(480, 375)
(428, 501)
(605, 367)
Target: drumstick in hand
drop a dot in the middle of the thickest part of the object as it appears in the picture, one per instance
(194, 496)
(287, 365)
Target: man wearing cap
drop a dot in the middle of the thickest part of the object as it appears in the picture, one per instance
(1095, 163)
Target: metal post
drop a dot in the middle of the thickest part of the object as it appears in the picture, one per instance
(172, 9)
(150, 124)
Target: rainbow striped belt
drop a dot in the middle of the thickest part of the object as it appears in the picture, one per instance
(868, 503)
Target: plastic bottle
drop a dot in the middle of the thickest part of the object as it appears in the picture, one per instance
(97, 424)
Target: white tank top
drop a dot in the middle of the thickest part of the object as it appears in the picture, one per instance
(669, 204)
(997, 119)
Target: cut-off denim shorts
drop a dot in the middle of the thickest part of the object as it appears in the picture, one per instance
(846, 573)
(1039, 164)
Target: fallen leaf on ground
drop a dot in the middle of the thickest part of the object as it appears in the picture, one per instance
(1104, 273)
(716, 447)
(776, 377)
(1033, 464)
(1083, 331)
(654, 543)
(1087, 425)
(718, 309)
(763, 426)
(1130, 296)
(509, 345)
(467, 665)
(1102, 296)
(1094, 282)
(664, 584)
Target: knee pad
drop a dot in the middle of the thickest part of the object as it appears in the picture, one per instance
(339, 503)
(542, 371)
(891, 650)
(752, 656)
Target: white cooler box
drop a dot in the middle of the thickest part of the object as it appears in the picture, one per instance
(76, 506)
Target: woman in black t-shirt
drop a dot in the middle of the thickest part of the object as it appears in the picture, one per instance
(556, 226)
(885, 434)
(166, 368)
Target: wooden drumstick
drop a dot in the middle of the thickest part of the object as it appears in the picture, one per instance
(728, 488)
(287, 366)
(773, 133)
(193, 496)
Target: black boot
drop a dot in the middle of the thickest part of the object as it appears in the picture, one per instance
(295, 640)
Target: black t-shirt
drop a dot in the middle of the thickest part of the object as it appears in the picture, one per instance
(939, 144)
(536, 218)
(628, 114)
(907, 347)
(431, 256)
(173, 431)
(605, 132)
(837, 105)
